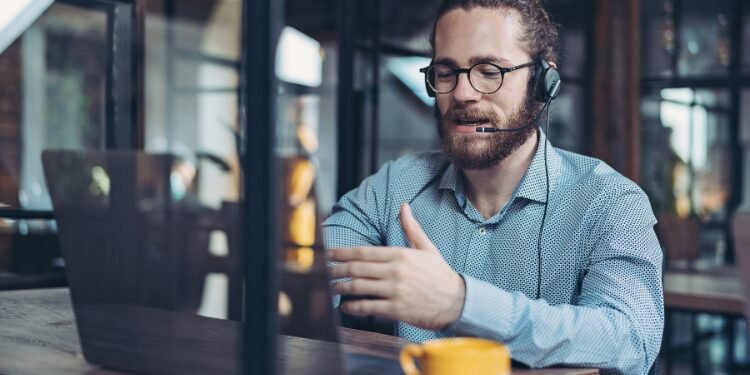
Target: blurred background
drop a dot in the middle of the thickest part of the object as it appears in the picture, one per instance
(658, 89)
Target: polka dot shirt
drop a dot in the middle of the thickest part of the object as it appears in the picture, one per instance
(601, 302)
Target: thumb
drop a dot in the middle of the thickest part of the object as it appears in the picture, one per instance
(413, 230)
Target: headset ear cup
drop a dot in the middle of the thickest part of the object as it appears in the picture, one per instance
(547, 81)
(539, 89)
(552, 83)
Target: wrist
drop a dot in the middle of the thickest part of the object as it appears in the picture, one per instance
(456, 306)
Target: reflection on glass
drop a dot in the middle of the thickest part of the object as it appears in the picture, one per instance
(299, 59)
(304, 301)
(192, 77)
(192, 85)
(704, 36)
(52, 95)
(405, 113)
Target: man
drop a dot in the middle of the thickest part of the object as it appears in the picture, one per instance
(501, 235)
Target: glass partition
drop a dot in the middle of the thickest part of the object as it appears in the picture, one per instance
(53, 94)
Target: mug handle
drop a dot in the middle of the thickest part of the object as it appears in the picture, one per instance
(408, 354)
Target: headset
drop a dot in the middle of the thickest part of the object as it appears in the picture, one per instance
(546, 84)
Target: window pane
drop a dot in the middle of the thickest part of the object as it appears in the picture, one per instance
(704, 37)
(746, 39)
(192, 78)
(686, 159)
(52, 96)
(657, 38)
(192, 85)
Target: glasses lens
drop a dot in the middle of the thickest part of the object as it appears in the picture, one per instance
(442, 78)
(486, 78)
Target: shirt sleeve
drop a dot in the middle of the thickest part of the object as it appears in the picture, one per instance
(616, 321)
(357, 218)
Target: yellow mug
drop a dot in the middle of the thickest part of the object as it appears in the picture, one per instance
(455, 356)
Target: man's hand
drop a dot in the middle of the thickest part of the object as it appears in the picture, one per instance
(414, 285)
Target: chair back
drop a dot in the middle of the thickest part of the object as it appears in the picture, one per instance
(680, 239)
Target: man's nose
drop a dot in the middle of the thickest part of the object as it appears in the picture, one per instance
(464, 92)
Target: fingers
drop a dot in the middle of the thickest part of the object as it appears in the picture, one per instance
(364, 287)
(358, 269)
(365, 254)
(364, 307)
(414, 233)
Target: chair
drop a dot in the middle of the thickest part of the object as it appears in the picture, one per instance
(680, 239)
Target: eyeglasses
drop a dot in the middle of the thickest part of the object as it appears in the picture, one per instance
(486, 78)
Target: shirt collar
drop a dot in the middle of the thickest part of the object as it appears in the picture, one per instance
(533, 186)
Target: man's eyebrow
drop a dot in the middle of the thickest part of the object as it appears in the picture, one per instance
(487, 59)
(473, 60)
(446, 61)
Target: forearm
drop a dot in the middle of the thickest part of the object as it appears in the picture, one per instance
(542, 335)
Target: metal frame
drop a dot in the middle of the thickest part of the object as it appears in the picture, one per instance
(349, 143)
(123, 107)
(261, 29)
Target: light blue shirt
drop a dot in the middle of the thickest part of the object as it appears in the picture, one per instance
(601, 299)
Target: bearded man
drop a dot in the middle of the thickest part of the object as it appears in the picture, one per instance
(500, 235)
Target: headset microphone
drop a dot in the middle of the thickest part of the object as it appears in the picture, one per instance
(530, 124)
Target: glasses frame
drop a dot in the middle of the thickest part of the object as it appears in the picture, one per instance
(457, 71)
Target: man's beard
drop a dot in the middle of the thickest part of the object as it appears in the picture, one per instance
(485, 150)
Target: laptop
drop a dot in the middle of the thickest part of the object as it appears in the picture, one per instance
(136, 243)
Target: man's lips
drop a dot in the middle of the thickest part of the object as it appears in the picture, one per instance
(470, 125)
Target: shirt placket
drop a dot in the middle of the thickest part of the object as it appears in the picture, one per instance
(478, 248)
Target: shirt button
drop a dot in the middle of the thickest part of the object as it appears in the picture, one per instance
(482, 231)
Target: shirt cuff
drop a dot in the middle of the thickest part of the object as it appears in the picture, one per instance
(487, 311)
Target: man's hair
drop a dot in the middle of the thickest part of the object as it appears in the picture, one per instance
(538, 35)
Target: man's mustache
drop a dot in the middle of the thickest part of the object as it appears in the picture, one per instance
(462, 114)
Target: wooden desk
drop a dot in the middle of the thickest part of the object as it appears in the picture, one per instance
(38, 335)
(720, 293)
